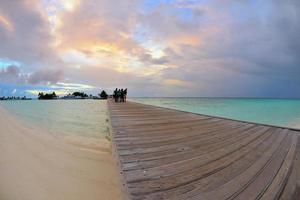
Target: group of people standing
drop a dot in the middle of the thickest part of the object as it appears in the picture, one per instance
(120, 95)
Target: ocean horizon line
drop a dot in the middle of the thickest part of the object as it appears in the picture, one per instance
(217, 97)
(206, 97)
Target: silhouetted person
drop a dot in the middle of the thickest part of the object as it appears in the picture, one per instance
(125, 94)
(122, 95)
(115, 95)
(119, 95)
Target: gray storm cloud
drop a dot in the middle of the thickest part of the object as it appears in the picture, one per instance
(146, 57)
(46, 76)
(13, 74)
(29, 38)
(242, 51)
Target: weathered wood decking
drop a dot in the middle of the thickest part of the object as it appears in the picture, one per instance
(168, 154)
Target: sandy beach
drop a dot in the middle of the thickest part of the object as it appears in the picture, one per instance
(297, 125)
(34, 165)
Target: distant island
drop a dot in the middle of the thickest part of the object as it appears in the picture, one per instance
(53, 96)
(74, 95)
(14, 98)
(42, 96)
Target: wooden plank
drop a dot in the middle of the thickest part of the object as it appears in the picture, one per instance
(216, 173)
(198, 177)
(276, 187)
(194, 157)
(292, 188)
(237, 185)
(169, 154)
(201, 144)
(203, 134)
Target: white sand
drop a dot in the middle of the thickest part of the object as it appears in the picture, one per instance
(37, 166)
(295, 124)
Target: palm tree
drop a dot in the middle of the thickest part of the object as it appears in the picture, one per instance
(103, 95)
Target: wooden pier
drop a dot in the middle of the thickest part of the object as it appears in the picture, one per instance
(169, 154)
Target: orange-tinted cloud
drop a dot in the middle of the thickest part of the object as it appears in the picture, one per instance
(154, 47)
(5, 23)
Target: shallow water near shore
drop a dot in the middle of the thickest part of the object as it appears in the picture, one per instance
(278, 112)
(80, 118)
(87, 119)
(75, 164)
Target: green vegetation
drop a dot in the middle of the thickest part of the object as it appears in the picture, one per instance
(103, 95)
(14, 98)
(46, 96)
(80, 94)
(74, 95)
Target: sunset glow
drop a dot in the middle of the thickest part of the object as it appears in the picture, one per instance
(5, 23)
(176, 48)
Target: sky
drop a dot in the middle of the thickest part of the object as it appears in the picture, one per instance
(206, 48)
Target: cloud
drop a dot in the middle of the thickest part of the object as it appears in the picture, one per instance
(13, 74)
(5, 23)
(157, 48)
(107, 28)
(240, 48)
(29, 39)
(46, 76)
(148, 58)
(10, 71)
(63, 88)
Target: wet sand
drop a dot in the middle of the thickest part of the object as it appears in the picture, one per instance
(34, 165)
(295, 124)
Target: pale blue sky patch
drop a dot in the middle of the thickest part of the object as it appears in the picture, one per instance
(5, 63)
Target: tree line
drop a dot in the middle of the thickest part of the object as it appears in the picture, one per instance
(74, 95)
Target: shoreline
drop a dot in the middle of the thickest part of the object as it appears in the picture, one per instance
(295, 125)
(36, 165)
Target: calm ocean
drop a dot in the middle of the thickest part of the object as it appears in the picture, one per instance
(87, 118)
(280, 112)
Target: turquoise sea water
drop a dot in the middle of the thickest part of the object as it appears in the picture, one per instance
(85, 118)
(280, 112)
(88, 118)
